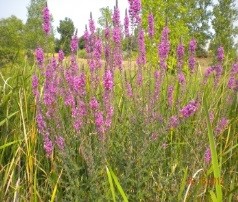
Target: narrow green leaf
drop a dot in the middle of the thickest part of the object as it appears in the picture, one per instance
(6, 119)
(118, 186)
(216, 169)
(9, 144)
(111, 184)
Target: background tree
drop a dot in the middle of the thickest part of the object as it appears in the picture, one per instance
(106, 17)
(11, 37)
(198, 22)
(34, 34)
(225, 14)
(66, 30)
(186, 19)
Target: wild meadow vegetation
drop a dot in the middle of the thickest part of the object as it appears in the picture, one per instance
(161, 128)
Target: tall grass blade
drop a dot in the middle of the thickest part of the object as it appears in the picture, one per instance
(216, 169)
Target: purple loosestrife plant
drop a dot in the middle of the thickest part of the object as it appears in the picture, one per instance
(180, 55)
(190, 109)
(221, 125)
(46, 20)
(163, 48)
(174, 122)
(74, 44)
(233, 81)
(220, 54)
(207, 156)
(141, 60)
(97, 54)
(48, 146)
(192, 53)
(151, 28)
(39, 54)
(126, 24)
(60, 142)
(134, 11)
(117, 36)
(91, 25)
(116, 16)
(61, 55)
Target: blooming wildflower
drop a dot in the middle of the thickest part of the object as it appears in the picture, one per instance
(192, 46)
(134, 10)
(181, 78)
(46, 20)
(191, 63)
(69, 100)
(116, 34)
(108, 80)
(207, 156)
(107, 33)
(74, 44)
(173, 122)
(61, 55)
(164, 47)
(191, 60)
(48, 146)
(94, 105)
(141, 60)
(99, 120)
(221, 125)
(129, 91)
(151, 28)
(220, 54)
(98, 53)
(91, 24)
(40, 122)
(39, 56)
(60, 142)
(189, 109)
(116, 17)
(126, 24)
(180, 55)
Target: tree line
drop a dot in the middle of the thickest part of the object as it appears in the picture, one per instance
(212, 24)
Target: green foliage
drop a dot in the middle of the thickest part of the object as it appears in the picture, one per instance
(225, 15)
(11, 40)
(105, 18)
(186, 19)
(34, 35)
(66, 30)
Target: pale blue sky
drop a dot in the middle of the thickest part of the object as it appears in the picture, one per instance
(77, 10)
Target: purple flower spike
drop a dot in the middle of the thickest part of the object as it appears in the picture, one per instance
(108, 80)
(190, 109)
(207, 156)
(48, 146)
(74, 44)
(61, 55)
(60, 142)
(151, 25)
(46, 20)
(126, 24)
(220, 54)
(39, 56)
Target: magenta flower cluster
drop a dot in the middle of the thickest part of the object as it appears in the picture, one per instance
(190, 109)
(46, 20)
